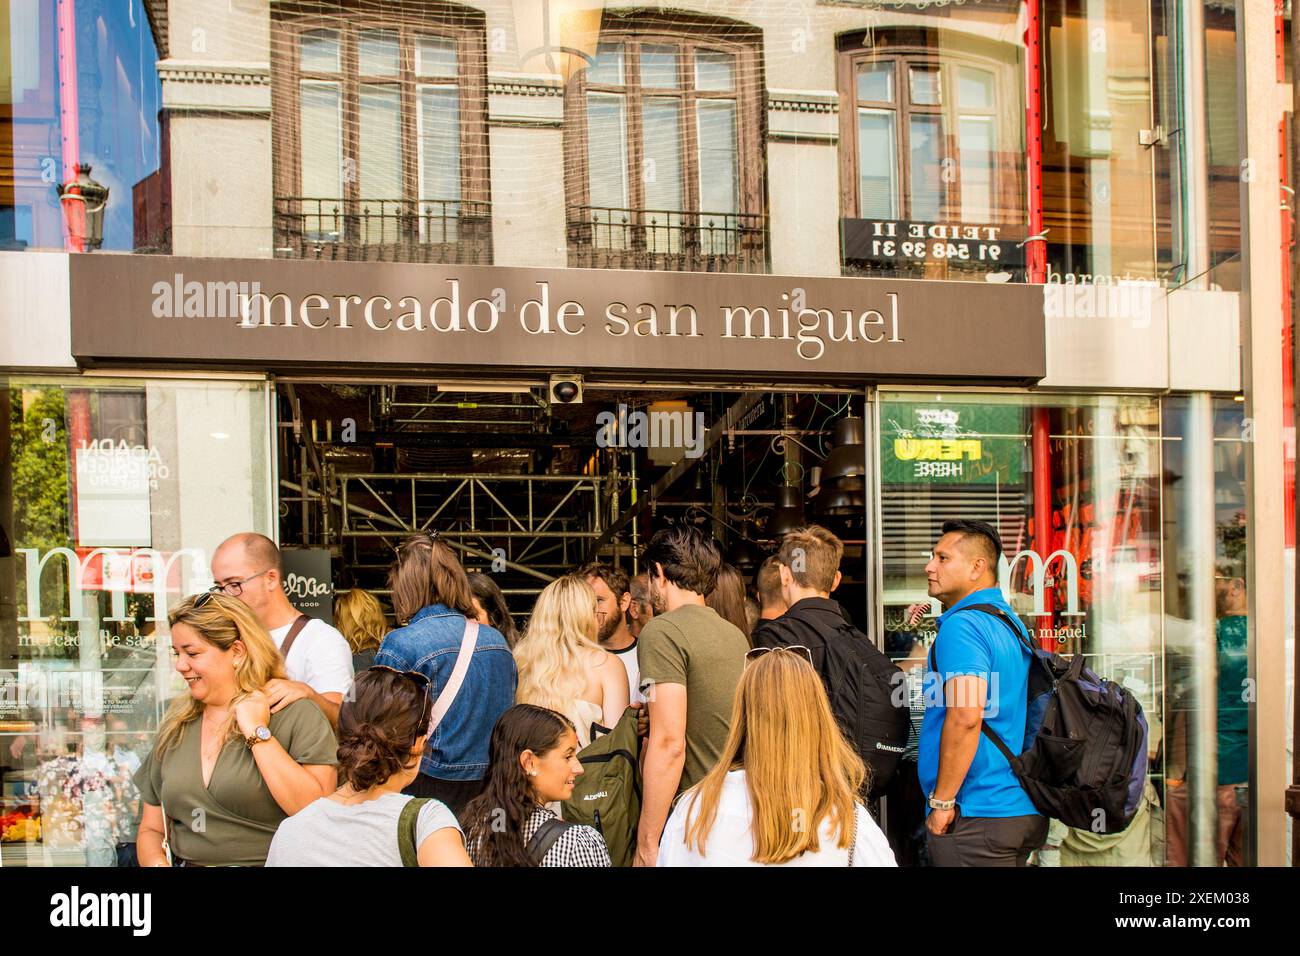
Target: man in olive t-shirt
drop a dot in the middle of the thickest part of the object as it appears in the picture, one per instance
(691, 661)
(694, 647)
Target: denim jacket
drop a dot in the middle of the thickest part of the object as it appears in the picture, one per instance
(458, 748)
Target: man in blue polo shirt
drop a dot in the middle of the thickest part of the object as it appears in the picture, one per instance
(978, 813)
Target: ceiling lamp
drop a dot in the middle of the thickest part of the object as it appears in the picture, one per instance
(788, 514)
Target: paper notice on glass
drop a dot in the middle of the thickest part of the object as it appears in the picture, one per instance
(113, 497)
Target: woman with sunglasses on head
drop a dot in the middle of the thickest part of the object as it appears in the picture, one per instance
(368, 821)
(533, 763)
(785, 790)
(225, 772)
(469, 666)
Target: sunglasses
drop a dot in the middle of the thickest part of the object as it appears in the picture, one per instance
(757, 652)
(420, 680)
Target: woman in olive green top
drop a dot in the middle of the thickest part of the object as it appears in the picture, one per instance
(225, 771)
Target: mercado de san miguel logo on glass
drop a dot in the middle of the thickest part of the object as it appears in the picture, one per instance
(952, 444)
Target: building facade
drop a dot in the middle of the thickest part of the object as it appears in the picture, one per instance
(366, 268)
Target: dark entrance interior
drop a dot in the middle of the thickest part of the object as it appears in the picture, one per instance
(528, 481)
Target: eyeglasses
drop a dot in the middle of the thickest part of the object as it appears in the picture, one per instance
(757, 652)
(236, 588)
(203, 597)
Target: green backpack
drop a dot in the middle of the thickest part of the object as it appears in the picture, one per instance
(607, 795)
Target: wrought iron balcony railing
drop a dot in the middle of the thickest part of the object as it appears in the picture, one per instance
(602, 237)
(384, 230)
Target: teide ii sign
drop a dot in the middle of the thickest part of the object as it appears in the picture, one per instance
(308, 582)
(300, 313)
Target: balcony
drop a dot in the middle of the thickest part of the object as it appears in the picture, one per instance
(602, 237)
(384, 230)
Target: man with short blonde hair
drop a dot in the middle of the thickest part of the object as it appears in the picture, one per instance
(812, 555)
(859, 679)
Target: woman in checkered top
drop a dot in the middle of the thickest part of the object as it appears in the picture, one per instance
(532, 761)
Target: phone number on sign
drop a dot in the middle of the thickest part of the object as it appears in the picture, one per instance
(935, 249)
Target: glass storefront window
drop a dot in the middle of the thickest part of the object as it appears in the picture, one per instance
(932, 177)
(1073, 485)
(1211, 693)
(115, 493)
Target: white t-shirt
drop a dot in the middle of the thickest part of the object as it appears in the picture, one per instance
(731, 843)
(328, 833)
(628, 656)
(320, 657)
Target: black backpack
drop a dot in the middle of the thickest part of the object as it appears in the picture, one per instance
(866, 691)
(1086, 759)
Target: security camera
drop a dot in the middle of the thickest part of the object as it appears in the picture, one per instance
(566, 389)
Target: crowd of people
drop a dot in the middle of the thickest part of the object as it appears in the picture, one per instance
(455, 738)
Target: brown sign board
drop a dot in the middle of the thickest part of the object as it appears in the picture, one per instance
(280, 314)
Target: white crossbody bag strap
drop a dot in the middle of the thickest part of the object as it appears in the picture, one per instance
(458, 671)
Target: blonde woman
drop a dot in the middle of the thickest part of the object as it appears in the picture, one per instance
(561, 666)
(360, 618)
(784, 791)
(225, 771)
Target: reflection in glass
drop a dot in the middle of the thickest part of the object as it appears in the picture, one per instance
(607, 169)
(663, 170)
(876, 82)
(380, 162)
(1073, 485)
(715, 71)
(319, 51)
(88, 671)
(719, 188)
(322, 158)
(377, 53)
(926, 148)
(435, 56)
(925, 85)
(974, 88)
(877, 186)
(975, 143)
(438, 122)
(608, 68)
(659, 66)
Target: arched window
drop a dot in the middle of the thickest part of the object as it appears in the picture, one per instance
(930, 134)
(664, 157)
(380, 132)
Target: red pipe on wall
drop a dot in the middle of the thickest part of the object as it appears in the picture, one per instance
(1035, 249)
(74, 210)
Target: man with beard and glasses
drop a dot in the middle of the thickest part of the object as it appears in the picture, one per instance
(613, 599)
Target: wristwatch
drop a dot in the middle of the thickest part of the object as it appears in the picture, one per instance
(259, 735)
(941, 804)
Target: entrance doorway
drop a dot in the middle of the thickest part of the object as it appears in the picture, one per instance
(529, 480)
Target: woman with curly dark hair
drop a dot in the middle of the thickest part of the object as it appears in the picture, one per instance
(368, 821)
(532, 762)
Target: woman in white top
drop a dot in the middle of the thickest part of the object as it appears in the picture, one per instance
(784, 791)
(561, 667)
(383, 724)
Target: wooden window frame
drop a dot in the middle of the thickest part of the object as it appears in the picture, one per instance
(1006, 205)
(748, 94)
(465, 26)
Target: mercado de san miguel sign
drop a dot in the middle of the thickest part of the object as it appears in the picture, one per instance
(280, 314)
